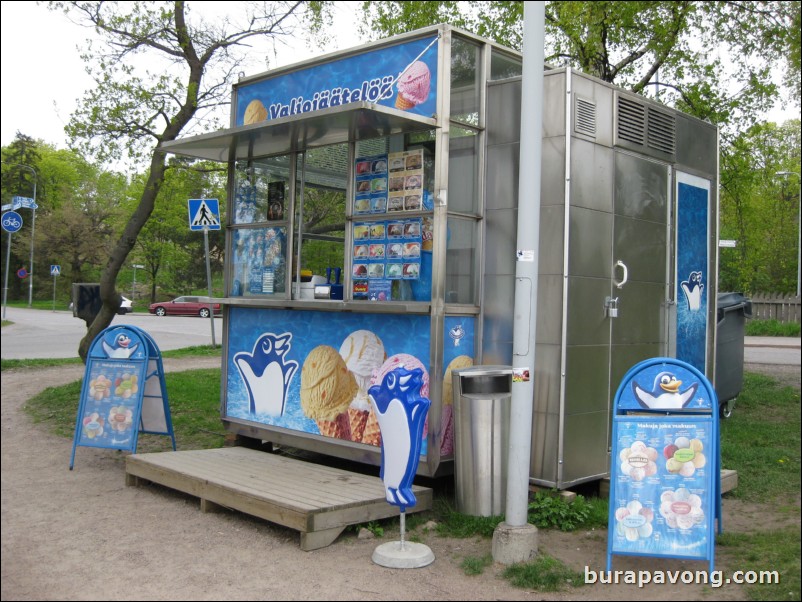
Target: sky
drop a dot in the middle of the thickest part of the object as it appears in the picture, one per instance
(43, 76)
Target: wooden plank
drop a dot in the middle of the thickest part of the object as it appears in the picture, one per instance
(319, 501)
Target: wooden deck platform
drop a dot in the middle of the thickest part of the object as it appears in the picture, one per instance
(316, 500)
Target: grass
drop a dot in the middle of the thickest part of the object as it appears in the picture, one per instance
(762, 441)
(771, 328)
(196, 351)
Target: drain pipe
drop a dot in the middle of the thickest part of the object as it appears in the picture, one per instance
(515, 540)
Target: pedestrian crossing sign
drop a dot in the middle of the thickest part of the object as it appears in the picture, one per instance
(204, 214)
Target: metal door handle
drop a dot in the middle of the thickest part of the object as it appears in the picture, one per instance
(622, 265)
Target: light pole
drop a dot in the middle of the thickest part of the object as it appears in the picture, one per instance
(799, 227)
(33, 230)
(133, 286)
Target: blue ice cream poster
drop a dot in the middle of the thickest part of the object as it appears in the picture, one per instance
(310, 371)
(692, 277)
(403, 76)
(663, 492)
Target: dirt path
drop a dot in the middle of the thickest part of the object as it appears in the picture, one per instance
(84, 535)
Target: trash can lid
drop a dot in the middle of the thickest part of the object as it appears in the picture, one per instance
(730, 299)
(485, 371)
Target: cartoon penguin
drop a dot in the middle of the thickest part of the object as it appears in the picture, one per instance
(401, 413)
(693, 287)
(267, 373)
(120, 347)
(665, 393)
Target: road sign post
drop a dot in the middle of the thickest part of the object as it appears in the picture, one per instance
(12, 221)
(204, 214)
(55, 271)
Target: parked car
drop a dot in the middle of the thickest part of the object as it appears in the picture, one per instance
(183, 306)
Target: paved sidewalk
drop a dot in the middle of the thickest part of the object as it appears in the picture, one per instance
(784, 342)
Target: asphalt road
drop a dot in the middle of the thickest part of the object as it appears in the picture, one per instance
(37, 334)
(47, 334)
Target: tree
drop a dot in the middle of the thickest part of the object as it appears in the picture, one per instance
(713, 59)
(133, 110)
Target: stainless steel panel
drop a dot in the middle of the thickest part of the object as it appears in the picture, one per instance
(587, 387)
(640, 188)
(552, 232)
(697, 146)
(601, 94)
(585, 452)
(548, 378)
(549, 309)
(545, 441)
(592, 170)
(552, 173)
(553, 103)
(502, 176)
(640, 314)
(587, 324)
(642, 246)
(503, 112)
(590, 247)
(497, 329)
(501, 233)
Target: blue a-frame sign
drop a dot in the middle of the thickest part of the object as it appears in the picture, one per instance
(665, 486)
(123, 392)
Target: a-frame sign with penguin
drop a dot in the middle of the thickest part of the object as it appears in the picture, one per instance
(665, 485)
(123, 392)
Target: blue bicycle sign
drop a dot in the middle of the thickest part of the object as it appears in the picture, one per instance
(12, 221)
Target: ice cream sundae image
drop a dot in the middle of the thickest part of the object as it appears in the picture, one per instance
(363, 353)
(327, 388)
(413, 86)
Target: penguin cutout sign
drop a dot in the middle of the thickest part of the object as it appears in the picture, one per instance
(401, 413)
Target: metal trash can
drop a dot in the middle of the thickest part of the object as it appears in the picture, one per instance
(482, 400)
(731, 312)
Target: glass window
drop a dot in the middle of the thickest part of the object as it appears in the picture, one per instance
(260, 190)
(465, 78)
(461, 261)
(503, 65)
(463, 170)
(259, 261)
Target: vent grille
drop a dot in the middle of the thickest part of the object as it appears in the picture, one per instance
(645, 128)
(661, 134)
(631, 121)
(585, 122)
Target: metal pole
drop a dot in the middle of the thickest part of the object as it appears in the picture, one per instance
(5, 284)
(209, 281)
(54, 293)
(133, 288)
(526, 266)
(33, 233)
(799, 230)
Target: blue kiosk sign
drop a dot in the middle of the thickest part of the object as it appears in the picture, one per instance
(123, 392)
(665, 490)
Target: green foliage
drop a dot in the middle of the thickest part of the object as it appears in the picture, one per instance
(550, 510)
(766, 551)
(761, 440)
(772, 328)
(543, 574)
(473, 565)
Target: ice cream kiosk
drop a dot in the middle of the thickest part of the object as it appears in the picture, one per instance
(371, 224)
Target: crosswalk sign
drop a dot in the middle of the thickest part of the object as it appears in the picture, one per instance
(55, 270)
(204, 214)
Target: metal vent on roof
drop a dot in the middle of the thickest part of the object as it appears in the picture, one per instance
(631, 120)
(585, 117)
(661, 131)
(645, 128)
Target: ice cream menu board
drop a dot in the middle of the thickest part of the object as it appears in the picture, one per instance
(389, 183)
(664, 464)
(123, 392)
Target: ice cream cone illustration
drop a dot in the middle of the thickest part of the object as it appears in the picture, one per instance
(413, 86)
(327, 388)
(372, 434)
(363, 353)
(447, 420)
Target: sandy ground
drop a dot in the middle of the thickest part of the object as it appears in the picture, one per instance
(84, 535)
